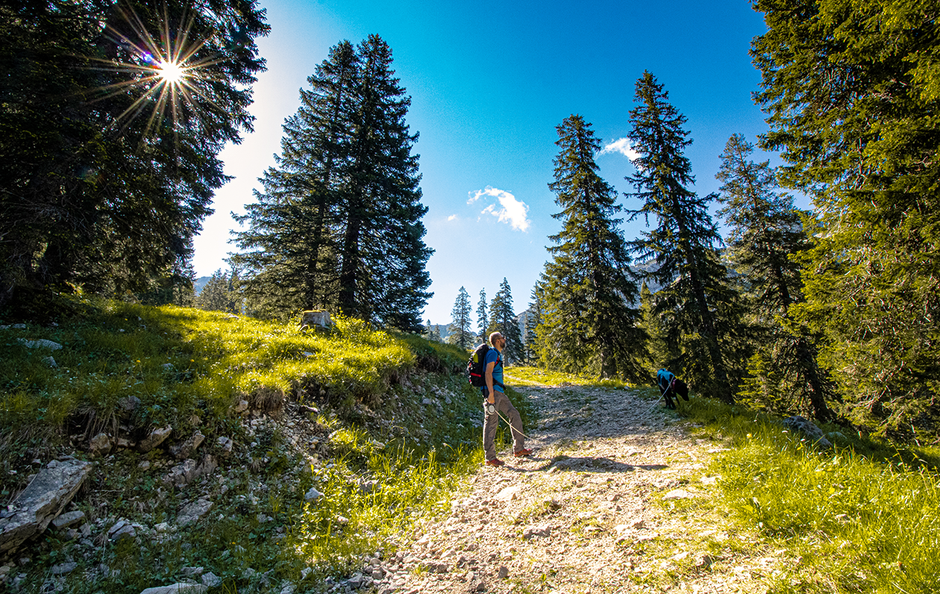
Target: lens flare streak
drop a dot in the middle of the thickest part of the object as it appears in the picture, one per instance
(167, 71)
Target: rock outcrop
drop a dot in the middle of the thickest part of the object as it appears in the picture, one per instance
(812, 432)
(315, 319)
(42, 500)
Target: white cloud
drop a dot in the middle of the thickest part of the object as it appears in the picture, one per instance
(509, 210)
(623, 147)
(452, 217)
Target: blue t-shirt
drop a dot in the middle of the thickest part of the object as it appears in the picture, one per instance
(491, 356)
(664, 378)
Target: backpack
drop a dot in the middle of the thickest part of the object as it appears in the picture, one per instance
(476, 366)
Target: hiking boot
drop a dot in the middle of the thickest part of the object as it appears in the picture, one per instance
(522, 452)
(495, 462)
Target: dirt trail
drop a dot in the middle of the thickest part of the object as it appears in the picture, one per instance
(581, 514)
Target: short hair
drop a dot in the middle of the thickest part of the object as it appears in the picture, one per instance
(494, 336)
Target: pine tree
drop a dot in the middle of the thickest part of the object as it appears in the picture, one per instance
(589, 320)
(661, 354)
(220, 293)
(289, 250)
(100, 186)
(339, 224)
(382, 254)
(765, 232)
(461, 333)
(533, 320)
(433, 333)
(699, 311)
(503, 320)
(482, 320)
(851, 95)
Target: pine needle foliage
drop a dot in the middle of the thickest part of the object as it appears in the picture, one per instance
(483, 320)
(503, 320)
(338, 225)
(589, 320)
(700, 312)
(103, 183)
(461, 333)
(851, 94)
(766, 231)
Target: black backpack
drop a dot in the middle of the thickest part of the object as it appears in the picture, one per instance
(476, 366)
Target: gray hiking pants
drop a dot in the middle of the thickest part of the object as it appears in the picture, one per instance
(491, 422)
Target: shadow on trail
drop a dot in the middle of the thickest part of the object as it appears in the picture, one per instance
(586, 464)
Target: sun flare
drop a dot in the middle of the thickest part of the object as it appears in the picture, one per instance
(171, 72)
(165, 71)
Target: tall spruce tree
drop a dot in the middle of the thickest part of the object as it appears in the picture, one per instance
(482, 319)
(339, 224)
(461, 333)
(104, 184)
(220, 293)
(851, 94)
(589, 321)
(289, 250)
(532, 322)
(698, 309)
(765, 232)
(503, 320)
(382, 253)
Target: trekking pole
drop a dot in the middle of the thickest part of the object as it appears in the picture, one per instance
(500, 415)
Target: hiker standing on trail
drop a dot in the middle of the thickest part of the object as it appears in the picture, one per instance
(496, 403)
(671, 386)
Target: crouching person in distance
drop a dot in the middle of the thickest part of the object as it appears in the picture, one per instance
(671, 387)
(495, 402)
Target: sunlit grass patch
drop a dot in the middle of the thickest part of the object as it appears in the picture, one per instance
(525, 375)
(867, 522)
(353, 518)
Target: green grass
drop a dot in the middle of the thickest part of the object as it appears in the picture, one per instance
(177, 361)
(396, 429)
(525, 375)
(861, 517)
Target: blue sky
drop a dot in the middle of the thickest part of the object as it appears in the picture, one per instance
(489, 83)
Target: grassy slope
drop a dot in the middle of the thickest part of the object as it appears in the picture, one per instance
(347, 416)
(861, 517)
(382, 425)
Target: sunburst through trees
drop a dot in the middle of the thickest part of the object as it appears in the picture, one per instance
(112, 115)
(169, 70)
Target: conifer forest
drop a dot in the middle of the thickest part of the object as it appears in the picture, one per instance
(108, 171)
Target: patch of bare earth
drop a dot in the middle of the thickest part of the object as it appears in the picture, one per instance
(614, 499)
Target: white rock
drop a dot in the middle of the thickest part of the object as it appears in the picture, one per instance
(68, 519)
(677, 494)
(194, 512)
(156, 437)
(63, 568)
(177, 588)
(536, 531)
(313, 494)
(40, 343)
(99, 445)
(509, 493)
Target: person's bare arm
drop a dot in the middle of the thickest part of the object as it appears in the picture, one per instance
(489, 382)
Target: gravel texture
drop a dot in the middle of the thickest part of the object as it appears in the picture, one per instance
(615, 498)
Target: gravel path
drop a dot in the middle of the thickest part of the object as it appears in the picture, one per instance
(588, 512)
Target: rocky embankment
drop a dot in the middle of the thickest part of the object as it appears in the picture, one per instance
(590, 511)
